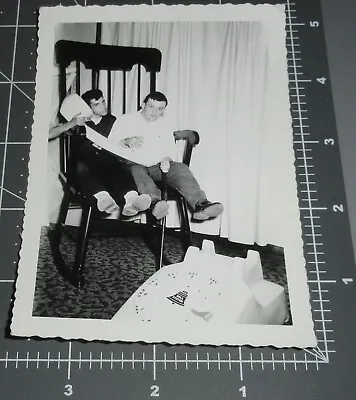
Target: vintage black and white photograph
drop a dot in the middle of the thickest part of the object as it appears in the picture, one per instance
(162, 201)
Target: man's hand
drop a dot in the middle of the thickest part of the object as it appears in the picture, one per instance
(165, 164)
(78, 120)
(134, 142)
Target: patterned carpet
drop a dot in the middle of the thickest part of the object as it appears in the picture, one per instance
(115, 267)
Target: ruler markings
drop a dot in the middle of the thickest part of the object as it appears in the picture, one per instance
(241, 362)
(7, 129)
(154, 363)
(133, 362)
(219, 361)
(69, 358)
(100, 361)
(307, 174)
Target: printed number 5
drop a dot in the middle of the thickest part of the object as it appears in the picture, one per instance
(155, 391)
(68, 390)
(314, 24)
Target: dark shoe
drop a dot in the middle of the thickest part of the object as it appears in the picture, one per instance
(207, 210)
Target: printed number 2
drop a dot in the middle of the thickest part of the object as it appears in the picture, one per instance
(338, 208)
(243, 391)
(155, 391)
(68, 390)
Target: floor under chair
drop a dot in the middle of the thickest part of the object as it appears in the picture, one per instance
(115, 267)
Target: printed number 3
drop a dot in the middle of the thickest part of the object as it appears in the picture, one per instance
(329, 141)
(68, 390)
(155, 391)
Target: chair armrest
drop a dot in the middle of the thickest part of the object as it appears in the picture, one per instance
(191, 136)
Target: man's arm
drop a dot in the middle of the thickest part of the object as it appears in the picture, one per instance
(56, 131)
(120, 134)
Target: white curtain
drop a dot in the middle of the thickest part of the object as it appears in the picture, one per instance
(228, 81)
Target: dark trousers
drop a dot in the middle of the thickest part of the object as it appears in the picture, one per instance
(178, 177)
(96, 170)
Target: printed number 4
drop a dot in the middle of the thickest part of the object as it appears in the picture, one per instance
(68, 390)
(321, 80)
(347, 280)
(155, 391)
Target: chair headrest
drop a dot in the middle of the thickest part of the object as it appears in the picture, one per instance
(74, 104)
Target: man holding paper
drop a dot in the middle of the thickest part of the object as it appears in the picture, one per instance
(97, 173)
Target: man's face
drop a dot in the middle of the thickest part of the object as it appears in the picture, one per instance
(99, 107)
(153, 110)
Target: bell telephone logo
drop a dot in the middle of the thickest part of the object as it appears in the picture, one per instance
(179, 298)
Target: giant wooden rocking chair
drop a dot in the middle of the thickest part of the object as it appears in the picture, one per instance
(99, 58)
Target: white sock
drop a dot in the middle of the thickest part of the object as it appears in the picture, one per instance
(130, 196)
(105, 202)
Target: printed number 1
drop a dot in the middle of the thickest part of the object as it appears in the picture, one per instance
(155, 391)
(243, 391)
(68, 390)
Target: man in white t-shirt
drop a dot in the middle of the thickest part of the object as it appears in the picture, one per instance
(150, 136)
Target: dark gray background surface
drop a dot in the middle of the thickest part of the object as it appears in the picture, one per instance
(340, 34)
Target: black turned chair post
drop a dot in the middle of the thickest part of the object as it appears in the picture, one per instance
(182, 204)
(56, 233)
(94, 57)
(82, 244)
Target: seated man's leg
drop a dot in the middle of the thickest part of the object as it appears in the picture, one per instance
(144, 178)
(90, 182)
(86, 174)
(100, 175)
(181, 178)
(123, 187)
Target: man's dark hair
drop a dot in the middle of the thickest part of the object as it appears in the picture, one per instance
(158, 96)
(95, 94)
